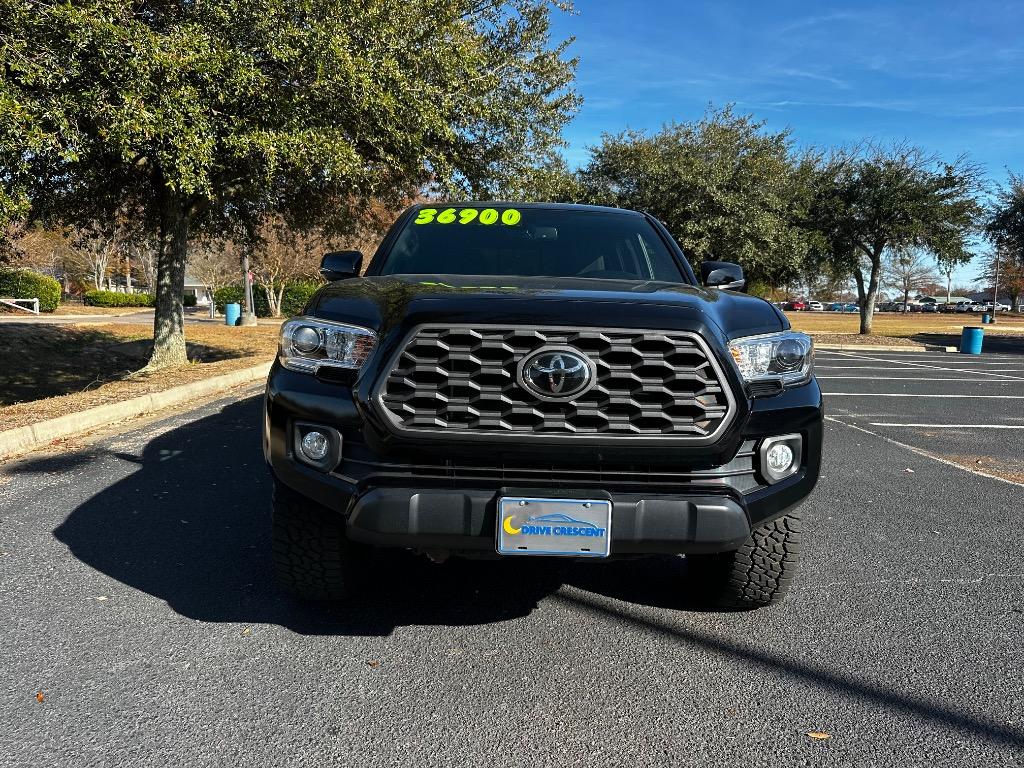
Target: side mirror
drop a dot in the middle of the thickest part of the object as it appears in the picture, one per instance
(341, 265)
(723, 275)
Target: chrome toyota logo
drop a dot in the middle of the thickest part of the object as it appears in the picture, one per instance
(556, 374)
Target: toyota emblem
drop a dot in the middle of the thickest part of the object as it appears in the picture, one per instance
(556, 374)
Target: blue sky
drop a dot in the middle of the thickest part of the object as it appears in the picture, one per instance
(948, 76)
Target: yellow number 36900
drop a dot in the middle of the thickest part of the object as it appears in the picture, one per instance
(509, 217)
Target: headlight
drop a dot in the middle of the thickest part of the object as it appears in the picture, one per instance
(308, 344)
(786, 359)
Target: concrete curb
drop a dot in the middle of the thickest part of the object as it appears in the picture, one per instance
(14, 441)
(884, 348)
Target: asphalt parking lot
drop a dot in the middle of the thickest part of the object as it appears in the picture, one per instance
(137, 605)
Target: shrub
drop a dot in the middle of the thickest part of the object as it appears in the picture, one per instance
(23, 284)
(293, 300)
(233, 294)
(189, 300)
(115, 299)
(296, 295)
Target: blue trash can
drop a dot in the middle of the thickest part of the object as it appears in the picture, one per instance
(970, 340)
(986, 319)
(232, 313)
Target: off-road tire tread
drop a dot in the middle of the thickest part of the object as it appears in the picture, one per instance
(759, 573)
(312, 558)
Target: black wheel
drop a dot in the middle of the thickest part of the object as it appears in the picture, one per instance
(757, 574)
(313, 560)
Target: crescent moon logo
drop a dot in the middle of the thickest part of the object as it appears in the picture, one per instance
(509, 528)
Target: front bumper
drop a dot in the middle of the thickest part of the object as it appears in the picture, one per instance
(664, 500)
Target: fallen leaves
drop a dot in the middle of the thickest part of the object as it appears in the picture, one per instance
(373, 663)
(819, 735)
(39, 697)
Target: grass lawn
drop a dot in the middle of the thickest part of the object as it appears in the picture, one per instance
(895, 329)
(52, 370)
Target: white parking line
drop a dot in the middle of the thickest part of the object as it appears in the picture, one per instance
(948, 426)
(915, 394)
(924, 453)
(932, 367)
(909, 378)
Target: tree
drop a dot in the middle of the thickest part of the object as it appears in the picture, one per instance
(724, 187)
(948, 263)
(214, 116)
(214, 262)
(909, 270)
(1011, 276)
(873, 199)
(97, 246)
(282, 256)
(1005, 223)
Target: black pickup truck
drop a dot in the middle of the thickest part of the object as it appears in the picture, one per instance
(540, 380)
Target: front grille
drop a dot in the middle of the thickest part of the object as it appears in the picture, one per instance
(647, 383)
(360, 466)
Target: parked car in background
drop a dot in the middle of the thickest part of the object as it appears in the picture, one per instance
(963, 305)
(795, 306)
(930, 306)
(999, 307)
(850, 307)
(815, 306)
(836, 306)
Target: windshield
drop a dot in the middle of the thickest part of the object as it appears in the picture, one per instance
(530, 242)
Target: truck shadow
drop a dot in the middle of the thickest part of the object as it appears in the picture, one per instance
(190, 526)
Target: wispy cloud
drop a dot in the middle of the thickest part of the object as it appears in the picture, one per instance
(816, 76)
(921, 108)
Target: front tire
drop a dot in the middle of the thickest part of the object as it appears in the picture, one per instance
(759, 573)
(312, 557)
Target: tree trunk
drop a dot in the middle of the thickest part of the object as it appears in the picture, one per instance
(867, 294)
(273, 302)
(169, 320)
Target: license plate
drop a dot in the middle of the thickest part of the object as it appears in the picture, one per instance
(566, 527)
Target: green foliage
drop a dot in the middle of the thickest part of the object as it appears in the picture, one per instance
(233, 294)
(257, 103)
(1005, 225)
(23, 284)
(296, 295)
(293, 300)
(189, 300)
(724, 187)
(115, 299)
(875, 200)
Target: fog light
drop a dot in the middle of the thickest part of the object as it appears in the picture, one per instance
(780, 457)
(315, 445)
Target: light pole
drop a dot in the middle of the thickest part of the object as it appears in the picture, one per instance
(995, 290)
(249, 315)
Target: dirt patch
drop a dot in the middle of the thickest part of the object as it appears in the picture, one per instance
(1006, 468)
(48, 370)
(855, 339)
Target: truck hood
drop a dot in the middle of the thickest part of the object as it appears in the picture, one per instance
(383, 303)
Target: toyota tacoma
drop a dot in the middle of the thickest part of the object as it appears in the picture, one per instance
(515, 380)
